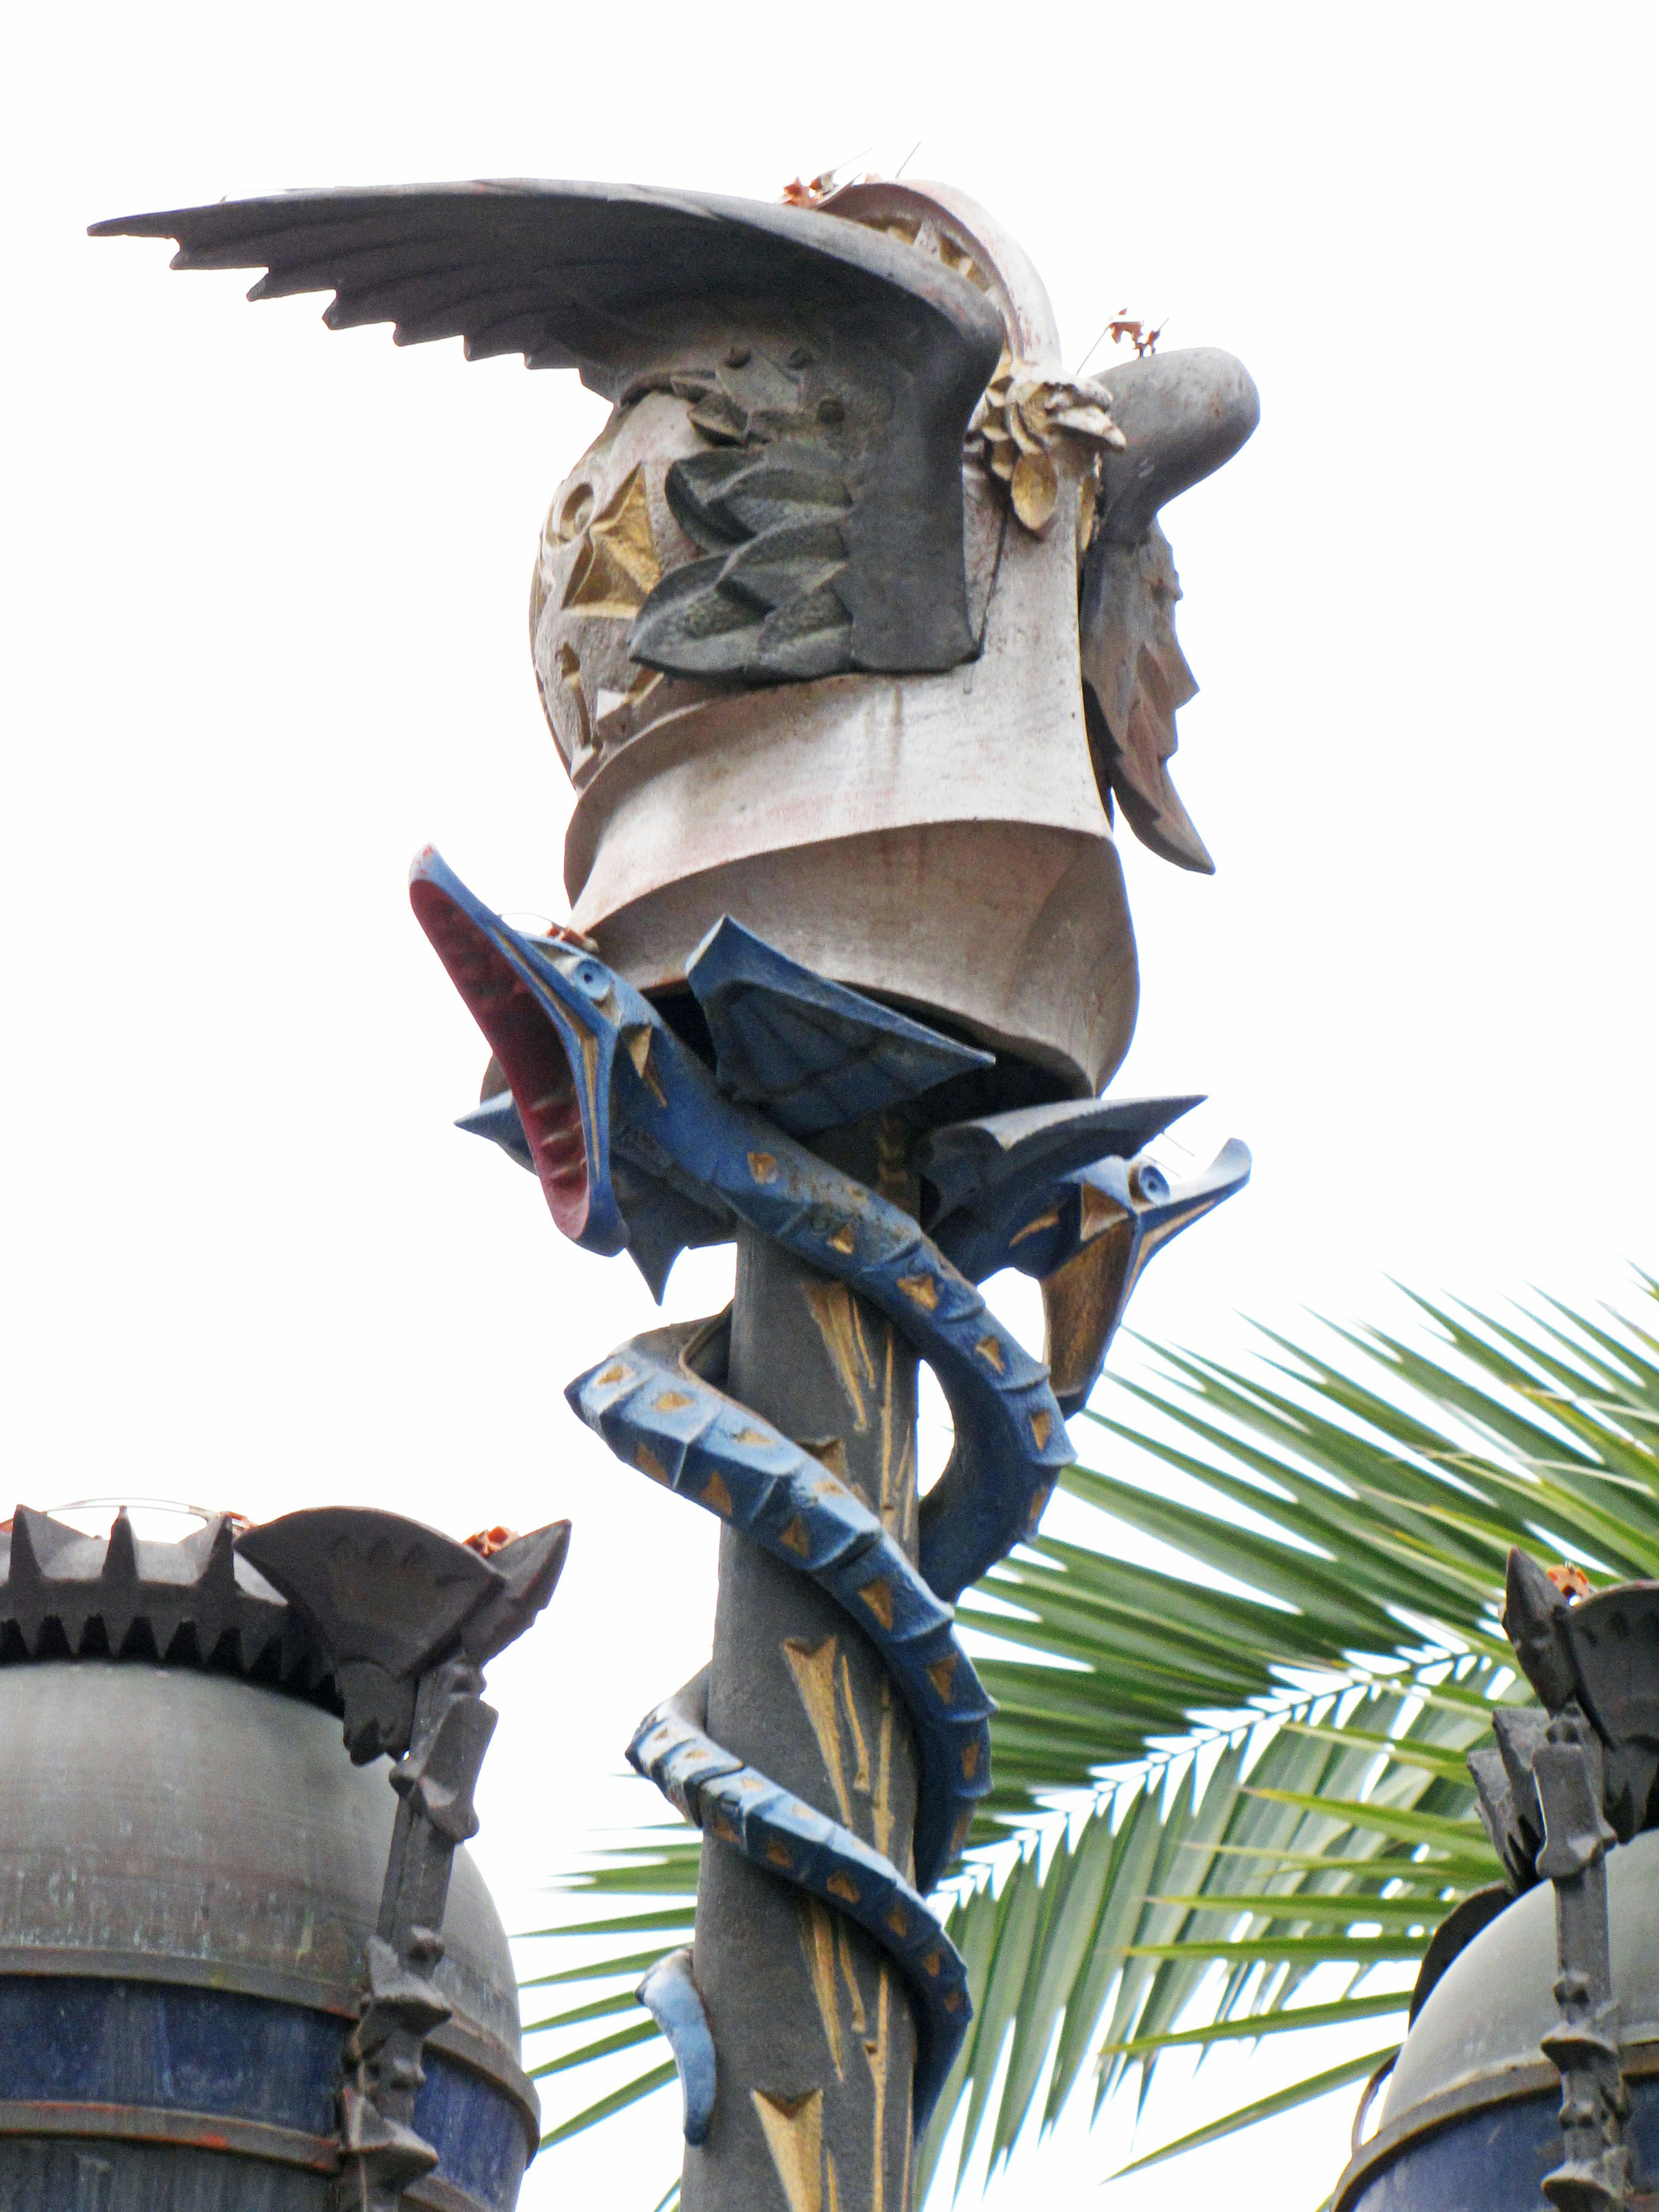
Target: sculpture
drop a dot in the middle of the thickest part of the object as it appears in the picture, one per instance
(1569, 1795)
(229, 1972)
(854, 627)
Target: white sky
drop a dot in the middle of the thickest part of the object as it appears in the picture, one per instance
(266, 590)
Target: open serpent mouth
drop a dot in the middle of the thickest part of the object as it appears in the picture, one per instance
(525, 1027)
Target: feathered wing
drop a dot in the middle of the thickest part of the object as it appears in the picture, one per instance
(831, 368)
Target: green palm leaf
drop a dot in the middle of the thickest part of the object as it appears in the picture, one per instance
(1262, 1783)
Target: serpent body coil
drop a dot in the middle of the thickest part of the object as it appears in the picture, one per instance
(638, 1145)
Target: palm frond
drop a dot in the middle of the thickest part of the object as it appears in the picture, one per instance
(1262, 1783)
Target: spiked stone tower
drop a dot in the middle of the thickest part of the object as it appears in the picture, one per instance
(231, 1973)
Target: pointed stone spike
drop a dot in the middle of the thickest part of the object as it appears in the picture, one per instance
(213, 1598)
(121, 1554)
(1534, 1622)
(24, 1571)
(217, 1542)
(36, 1541)
(530, 1569)
(197, 1549)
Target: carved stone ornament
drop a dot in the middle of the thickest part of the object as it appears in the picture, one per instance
(855, 621)
(409, 1618)
(235, 1974)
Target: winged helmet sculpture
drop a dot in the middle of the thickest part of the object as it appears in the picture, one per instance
(857, 620)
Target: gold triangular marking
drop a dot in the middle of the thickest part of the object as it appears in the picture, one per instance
(1097, 1213)
(878, 1595)
(617, 568)
(814, 1671)
(795, 1538)
(793, 2128)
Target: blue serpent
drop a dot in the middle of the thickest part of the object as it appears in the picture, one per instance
(639, 1146)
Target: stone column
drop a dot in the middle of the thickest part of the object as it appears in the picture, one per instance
(813, 2032)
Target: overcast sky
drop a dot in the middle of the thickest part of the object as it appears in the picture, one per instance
(266, 590)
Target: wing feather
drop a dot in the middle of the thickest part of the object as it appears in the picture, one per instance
(573, 247)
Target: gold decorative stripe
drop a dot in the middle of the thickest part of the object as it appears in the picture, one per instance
(861, 1749)
(836, 1316)
(818, 1939)
(814, 1672)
